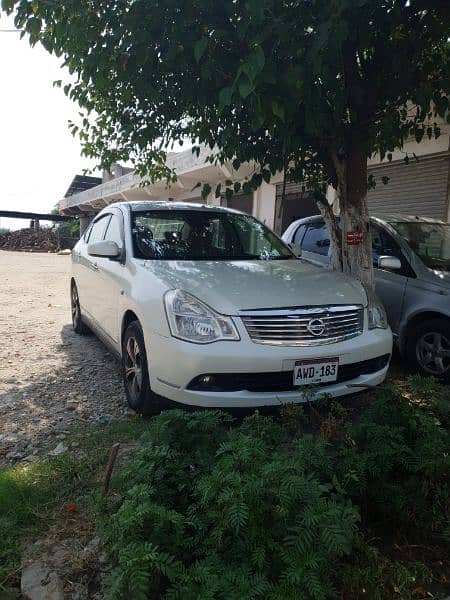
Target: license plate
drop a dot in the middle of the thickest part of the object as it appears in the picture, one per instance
(318, 370)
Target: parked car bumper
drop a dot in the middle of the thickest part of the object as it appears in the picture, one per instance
(174, 365)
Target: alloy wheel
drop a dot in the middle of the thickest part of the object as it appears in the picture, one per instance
(133, 367)
(433, 353)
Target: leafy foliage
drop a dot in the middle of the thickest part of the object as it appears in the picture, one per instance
(311, 88)
(207, 508)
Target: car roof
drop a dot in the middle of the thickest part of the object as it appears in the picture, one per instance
(401, 218)
(386, 217)
(145, 205)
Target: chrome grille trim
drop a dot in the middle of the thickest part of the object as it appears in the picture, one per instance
(289, 327)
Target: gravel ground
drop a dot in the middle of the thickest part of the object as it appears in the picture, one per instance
(50, 378)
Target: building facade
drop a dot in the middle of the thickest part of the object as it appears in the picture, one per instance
(421, 187)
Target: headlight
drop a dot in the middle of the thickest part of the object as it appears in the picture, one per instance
(191, 320)
(377, 316)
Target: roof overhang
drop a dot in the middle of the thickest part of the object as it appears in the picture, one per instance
(189, 168)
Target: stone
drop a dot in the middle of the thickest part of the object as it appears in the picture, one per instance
(104, 419)
(59, 449)
(38, 582)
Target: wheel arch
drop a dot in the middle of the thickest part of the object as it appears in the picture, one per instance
(128, 317)
(416, 319)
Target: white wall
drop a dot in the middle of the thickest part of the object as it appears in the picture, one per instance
(264, 204)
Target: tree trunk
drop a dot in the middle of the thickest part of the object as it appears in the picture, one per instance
(355, 238)
(334, 228)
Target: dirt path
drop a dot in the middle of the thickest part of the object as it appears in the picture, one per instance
(50, 378)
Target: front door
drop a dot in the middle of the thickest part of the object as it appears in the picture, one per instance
(89, 281)
(110, 282)
(390, 286)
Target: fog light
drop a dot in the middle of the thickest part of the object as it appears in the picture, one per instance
(206, 379)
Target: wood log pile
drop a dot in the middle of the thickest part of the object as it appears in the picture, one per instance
(30, 240)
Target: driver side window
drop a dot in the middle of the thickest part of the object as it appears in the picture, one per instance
(113, 232)
(383, 245)
(317, 238)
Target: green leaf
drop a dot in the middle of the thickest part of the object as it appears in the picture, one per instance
(278, 110)
(218, 190)
(206, 190)
(385, 179)
(8, 5)
(418, 134)
(266, 175)
(225, 96)
(246, 87)
(257, 59)
(34, 26)
(236, 164)
(199, 48)
(237, 187)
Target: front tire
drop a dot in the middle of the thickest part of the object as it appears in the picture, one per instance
(135, 374)
(77, 320)
(428, 349)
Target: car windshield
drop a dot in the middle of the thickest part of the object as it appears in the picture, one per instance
(203, 235)
(430, 241)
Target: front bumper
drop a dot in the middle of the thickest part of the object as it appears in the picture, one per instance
(174, 364)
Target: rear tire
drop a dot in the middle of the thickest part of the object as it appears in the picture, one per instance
(77, 320)
(428, 349)
(135, 374)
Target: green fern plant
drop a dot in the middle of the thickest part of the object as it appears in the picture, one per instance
(212, 509)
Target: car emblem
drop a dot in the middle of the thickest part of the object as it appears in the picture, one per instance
(316, 327)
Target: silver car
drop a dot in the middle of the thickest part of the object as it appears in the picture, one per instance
(411, 256)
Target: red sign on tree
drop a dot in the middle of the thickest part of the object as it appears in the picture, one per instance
(354, 238)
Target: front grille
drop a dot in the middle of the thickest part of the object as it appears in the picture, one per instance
(279, 381)
(304, 326)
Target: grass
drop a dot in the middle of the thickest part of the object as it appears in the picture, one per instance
(38, 496)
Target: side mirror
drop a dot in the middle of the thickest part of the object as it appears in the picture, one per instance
(389, 263)
(105, 249)
(296, 250)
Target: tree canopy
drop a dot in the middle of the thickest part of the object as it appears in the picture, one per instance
(313, 87)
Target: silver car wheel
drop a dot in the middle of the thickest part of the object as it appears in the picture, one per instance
(133, 367)
(433, 353)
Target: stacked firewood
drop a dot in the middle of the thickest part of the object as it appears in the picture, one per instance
(30, 240)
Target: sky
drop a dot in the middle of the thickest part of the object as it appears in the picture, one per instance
(38, 155)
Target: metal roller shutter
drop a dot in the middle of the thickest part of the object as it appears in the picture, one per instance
(242, 202)
(419, 188)
(298, 203)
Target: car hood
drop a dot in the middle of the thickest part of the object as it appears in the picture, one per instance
(441, 278)
(230, 286)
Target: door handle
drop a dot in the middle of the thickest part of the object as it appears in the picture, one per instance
(94, 266)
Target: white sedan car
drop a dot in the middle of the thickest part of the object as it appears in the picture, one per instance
(208, 307)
